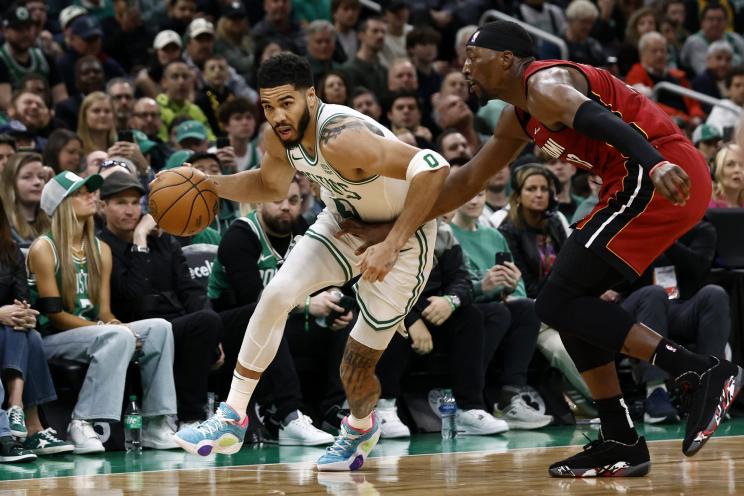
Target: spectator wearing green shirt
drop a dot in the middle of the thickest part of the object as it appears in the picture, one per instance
(497, 287)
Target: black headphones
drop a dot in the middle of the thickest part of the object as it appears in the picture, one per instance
(520, 174)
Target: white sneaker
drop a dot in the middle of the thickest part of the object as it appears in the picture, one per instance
(390, 424)
(302, 432)
(520, 415)
(478, 423)
(84, 437)
(157, 433)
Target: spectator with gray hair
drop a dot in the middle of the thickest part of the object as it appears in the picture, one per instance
(582, 48)
(712, 81)
(713, 23)
(121, 91)
(321, 43)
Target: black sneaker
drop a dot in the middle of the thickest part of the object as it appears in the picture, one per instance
(609, 458)
(333, 417)
(11, 451)
(712, 393)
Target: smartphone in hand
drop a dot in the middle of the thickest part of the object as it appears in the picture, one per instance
(502, 257)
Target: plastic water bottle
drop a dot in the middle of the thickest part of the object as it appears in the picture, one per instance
(325, 321)
(448, 411)
(133, 427)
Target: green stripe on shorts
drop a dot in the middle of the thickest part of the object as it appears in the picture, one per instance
(381, 325)
(345, 266)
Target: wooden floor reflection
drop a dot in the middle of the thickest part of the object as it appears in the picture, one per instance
(524, 471)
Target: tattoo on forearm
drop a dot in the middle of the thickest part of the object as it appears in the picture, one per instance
(342, 123)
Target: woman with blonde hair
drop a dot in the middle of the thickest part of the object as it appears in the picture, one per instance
(96, 124)
(728, 178)
(21, 183)
(69, 280)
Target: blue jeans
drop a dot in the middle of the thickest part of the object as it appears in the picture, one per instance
(23, 351)
(4, 423)
(108, 349)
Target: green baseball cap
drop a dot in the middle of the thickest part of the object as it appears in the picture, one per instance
(191, 129)
(145, 144)
(63, 185)
(178, 158)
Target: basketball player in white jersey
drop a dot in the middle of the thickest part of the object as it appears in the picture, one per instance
(366, 173)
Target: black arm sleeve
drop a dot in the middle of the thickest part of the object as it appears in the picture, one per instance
(239, 252)
(595, 121)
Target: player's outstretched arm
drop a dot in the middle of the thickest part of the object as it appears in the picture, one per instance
(354, 148)
(557, 96)
(467, 181)
(270, 182)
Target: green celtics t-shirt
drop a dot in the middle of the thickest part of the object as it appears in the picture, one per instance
(84, 308)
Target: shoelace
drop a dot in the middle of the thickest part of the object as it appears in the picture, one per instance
(15, 415)
(592, 442)
(49, 434)
(342, 443)
(215, 423)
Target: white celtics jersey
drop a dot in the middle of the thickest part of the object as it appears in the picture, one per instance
(375, 199)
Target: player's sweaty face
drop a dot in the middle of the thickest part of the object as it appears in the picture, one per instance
(286, 110)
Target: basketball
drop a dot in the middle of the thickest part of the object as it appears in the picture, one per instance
(182, 201)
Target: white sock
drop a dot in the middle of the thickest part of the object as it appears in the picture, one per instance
(361, 424)
(241, 390)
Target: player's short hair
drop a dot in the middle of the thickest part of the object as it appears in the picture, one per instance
(285, 68)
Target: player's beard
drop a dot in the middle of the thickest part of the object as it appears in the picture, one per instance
(301, 128)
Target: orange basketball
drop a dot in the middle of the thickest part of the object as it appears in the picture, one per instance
(182, 201)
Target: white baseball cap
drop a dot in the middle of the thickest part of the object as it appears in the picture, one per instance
(165, 38)
(70, 13)
(199, 26)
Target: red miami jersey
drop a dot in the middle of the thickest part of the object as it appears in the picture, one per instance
(631, 224)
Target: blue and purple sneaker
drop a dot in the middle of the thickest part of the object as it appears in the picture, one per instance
(351, 448)
(223, 434)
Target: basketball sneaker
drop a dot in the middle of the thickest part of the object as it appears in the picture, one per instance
(608, 458)
(222, 433)
(351, 448)
(712, 393)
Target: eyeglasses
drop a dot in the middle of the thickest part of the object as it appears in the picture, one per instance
(122, 96)
(147, 115)
(108, 164)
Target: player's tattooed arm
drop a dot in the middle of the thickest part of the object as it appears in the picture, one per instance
(345, 123)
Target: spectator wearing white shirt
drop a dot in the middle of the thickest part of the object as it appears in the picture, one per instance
(722, 117)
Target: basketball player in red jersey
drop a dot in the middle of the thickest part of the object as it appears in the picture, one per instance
(656, 186)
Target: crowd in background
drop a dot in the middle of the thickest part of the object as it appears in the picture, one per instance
(98, 96)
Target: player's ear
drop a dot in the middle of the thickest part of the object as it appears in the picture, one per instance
(311, 95)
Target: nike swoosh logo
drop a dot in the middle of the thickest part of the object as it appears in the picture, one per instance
(263, 258)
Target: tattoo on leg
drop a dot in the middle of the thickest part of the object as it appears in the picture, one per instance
(358, 376)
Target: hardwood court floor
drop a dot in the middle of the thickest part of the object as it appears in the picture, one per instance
(505, 465)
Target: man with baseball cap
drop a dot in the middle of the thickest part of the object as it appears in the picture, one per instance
(200, 48)
(19, 57)
(192, 135)
(85, 38)
(150, 277)
(707, 139)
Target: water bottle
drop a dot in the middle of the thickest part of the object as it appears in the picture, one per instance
(325, 321)
(133, 427)
(448, 411)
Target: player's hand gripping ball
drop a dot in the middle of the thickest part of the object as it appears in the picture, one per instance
(183, 201)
